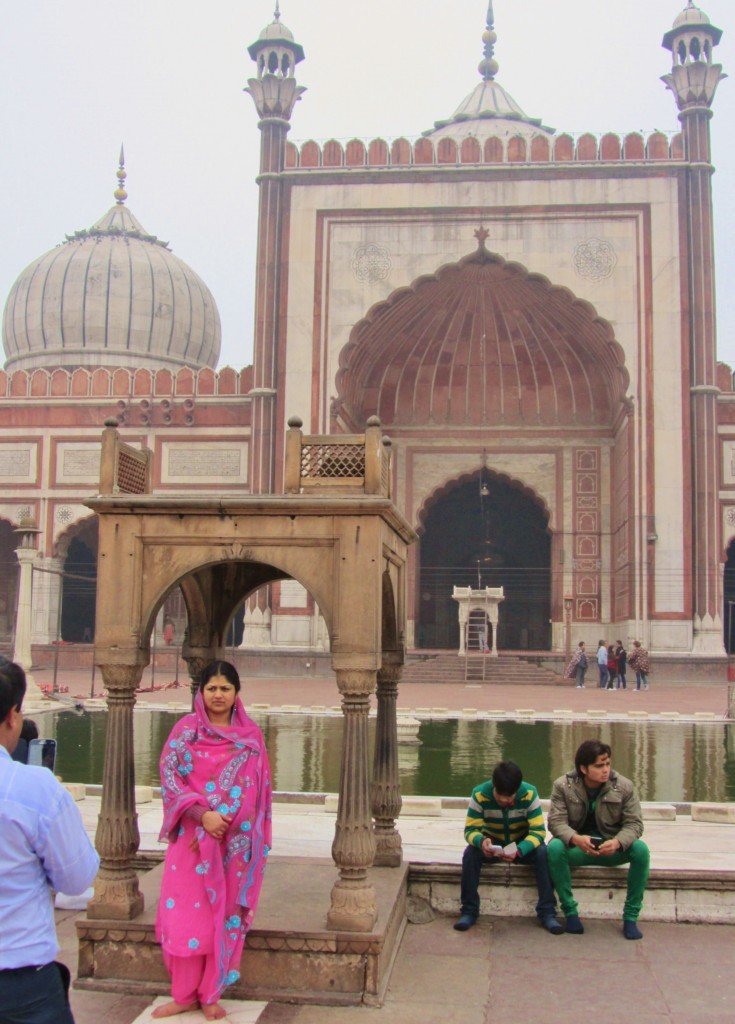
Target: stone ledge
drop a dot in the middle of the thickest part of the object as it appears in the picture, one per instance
(693, 897)
(723, 814)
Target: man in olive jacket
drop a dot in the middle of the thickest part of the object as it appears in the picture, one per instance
(595, 819)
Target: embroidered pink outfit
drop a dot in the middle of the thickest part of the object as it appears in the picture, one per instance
(209, 897)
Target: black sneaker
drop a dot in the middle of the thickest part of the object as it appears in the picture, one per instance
(465, 922)
(551, 924)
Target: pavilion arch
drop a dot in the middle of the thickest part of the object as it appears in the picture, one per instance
(212, 593)
(479, 342)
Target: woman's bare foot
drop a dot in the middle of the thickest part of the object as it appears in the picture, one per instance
(213, 1011)
(173, 1008)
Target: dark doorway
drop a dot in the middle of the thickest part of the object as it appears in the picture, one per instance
(486, 532)
(8, 580)
(729, 611)
(78, 595)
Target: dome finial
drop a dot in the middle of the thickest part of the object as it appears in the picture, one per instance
(488, 66)
(120, 194)
(277, 12)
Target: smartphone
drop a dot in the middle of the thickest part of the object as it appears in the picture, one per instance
(596, 841)
(42, 753)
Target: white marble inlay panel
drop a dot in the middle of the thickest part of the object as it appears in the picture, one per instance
(206, 462)
(18, 463)
(78, 463)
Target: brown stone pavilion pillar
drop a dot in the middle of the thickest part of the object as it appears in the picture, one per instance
(116, 894)
(353, 905)
(386, 790)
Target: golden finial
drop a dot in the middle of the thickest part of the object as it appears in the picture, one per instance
(120, 194)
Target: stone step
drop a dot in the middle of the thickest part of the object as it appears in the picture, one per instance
(506, 669)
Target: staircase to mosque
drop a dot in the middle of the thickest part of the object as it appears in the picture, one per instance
(505, 670)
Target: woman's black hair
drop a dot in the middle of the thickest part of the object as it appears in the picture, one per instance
(220, 668)
(12, 687)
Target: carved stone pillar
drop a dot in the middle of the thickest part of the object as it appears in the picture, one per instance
(385, 790)
(353, 906)
(116, 892)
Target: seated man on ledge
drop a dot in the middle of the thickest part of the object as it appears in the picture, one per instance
(595, 818)
(505, 823)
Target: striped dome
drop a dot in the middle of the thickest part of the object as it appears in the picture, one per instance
(112, 295)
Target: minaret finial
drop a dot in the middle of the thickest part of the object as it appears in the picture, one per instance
(120, 194)
(488, 66)
(277, 12)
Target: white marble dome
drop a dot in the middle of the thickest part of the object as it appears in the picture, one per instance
(691, 16)
(112, 295)
(488, 110)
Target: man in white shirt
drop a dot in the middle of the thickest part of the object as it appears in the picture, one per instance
(602, 664)
(43, 846)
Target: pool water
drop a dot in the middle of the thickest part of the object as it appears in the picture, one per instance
(668, 761)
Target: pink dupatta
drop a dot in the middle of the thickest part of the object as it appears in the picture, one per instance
(209, 895)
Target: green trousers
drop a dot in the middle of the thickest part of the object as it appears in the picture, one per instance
(563, 858)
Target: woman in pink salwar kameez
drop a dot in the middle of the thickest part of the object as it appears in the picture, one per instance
(217, 821)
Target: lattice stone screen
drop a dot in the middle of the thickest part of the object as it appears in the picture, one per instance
(132, 471)
(329, 461)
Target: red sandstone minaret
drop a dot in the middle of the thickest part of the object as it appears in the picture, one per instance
(693, 80)
(275, 93)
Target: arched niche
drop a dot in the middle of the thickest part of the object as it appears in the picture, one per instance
(485, 529)
(8, 578)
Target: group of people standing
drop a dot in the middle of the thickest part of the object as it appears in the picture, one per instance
(613, 662)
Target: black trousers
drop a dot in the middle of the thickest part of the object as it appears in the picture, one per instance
(35, 995)
(472, 861)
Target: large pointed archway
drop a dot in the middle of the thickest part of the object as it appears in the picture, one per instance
(484, 530)
(481, 342)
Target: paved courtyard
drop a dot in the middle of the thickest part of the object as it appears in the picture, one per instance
(505, 970)
(511, 971)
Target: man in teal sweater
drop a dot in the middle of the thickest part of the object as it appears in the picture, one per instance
(505, 824)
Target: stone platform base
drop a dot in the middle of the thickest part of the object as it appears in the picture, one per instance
(694, 897)
(237, 1012)
(290, 956)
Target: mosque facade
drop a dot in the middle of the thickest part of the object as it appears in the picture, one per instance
(530, 314)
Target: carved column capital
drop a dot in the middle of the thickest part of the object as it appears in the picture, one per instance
(355, 682)
(197, 659)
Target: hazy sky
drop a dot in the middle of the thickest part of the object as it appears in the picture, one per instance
(165, 77)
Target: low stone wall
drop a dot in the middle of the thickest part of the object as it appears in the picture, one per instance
(690, 897)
